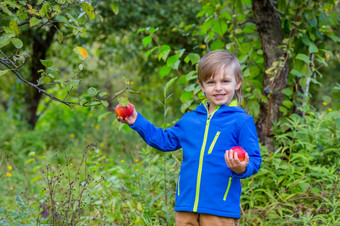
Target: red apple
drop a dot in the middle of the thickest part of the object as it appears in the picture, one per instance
(124, 112)
(241, 153)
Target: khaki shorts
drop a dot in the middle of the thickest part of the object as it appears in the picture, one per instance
(201, 219)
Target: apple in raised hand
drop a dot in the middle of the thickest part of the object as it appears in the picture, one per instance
(241, 153)
(124, 111)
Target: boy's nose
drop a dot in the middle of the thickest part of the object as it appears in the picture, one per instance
(218, 86)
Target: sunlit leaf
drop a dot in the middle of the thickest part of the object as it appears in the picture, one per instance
(165, 70)
(303, 57)
(171, 60)
(3, 72)
(92, 91)
(124, 101)
(17, 43)
(81, 52)
(5, 39)
(89, 10)
(115, 8)
(147, 40)
(13, 25)
(193, 57)
(220, 27)
(47, 63)
(105, 103)
(60, 36)
(34, 21)
(312, 48)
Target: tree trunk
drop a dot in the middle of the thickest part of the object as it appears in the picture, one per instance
(268, 24)
(41, 43)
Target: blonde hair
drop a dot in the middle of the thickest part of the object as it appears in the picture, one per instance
(215, 61)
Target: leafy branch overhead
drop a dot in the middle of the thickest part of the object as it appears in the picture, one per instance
(65, 18)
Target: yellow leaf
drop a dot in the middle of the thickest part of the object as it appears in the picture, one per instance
(82, 52)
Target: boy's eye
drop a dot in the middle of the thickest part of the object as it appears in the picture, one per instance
(226, 81)
(210, 82)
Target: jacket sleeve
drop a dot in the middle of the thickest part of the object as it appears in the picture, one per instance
(248, 140)
(163, 140)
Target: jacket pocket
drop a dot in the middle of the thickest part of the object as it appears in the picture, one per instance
(213, 142)
(227, 190)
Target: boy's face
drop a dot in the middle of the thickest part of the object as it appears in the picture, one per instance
(220, 89)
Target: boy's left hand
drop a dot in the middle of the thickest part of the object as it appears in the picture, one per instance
(234, 163)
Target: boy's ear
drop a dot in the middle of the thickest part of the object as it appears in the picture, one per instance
(201, 85)
(238, 85)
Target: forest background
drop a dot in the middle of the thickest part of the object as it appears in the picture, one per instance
(64, 159)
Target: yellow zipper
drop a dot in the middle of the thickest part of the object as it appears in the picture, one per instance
(200, 165)
(227, 191)
(179, 180)
(213, 142)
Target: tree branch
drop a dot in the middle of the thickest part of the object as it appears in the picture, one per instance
(68, 103)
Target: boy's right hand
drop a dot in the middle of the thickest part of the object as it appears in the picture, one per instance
(130, 120)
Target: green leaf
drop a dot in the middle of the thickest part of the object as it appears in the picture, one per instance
(105, 103)
(207, 25)
(34, 21)
(165, 70)
(94, 103)
(217, 44)
(327, 99)
(115, 8)
(17, 43)
(180, 52)
(172, 60)
(92, 91)
(313, 22)
(296, 73)
(312, 48)
(100, 117)
(303, 57)
(254, 107)
(47, 63)
(124, 101)
(5, 39)
(249, 29)
(185, 96)
(3, 72)
(164, 52)
(20, 202)
(287, 91)
(193, 57)
(44, 9)
(220, 27)
(13, 25)
(89, 10)
(169, 83)
(60, 36)
(186, 105)
(287, 103)
(12, 4)
(61, 19)
(147, 53)
(102, 94)
(147, 40)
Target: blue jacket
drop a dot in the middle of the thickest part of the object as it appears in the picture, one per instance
(205, 183)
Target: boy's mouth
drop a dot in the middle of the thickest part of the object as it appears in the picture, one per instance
(219, 96)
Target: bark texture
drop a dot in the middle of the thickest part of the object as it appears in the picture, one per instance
(41, 43)
(268, 24)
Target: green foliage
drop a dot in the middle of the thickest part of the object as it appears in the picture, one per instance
(299, 182)
(304, 47)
